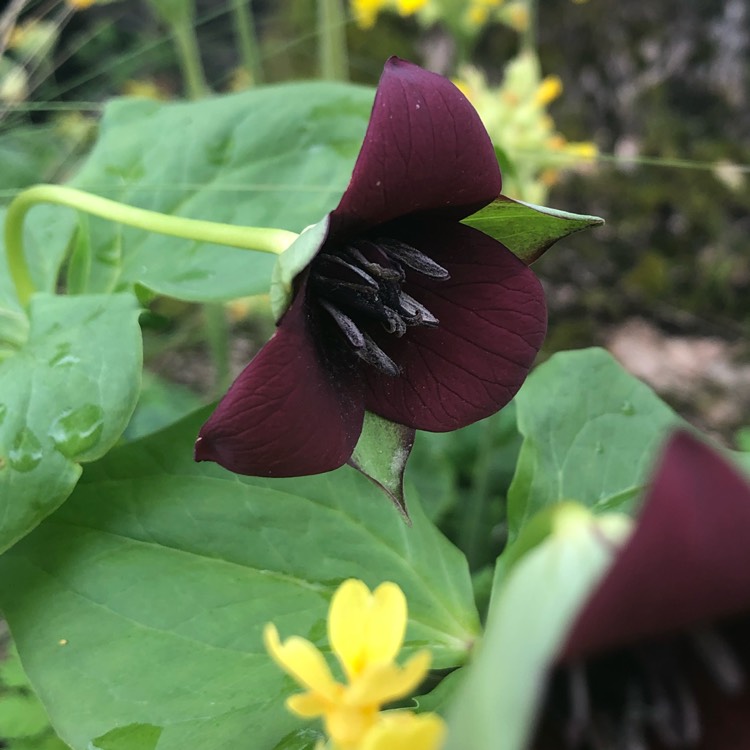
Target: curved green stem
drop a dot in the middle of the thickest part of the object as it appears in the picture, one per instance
(261, 239)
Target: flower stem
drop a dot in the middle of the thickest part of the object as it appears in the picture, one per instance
(528, 40)
(189, 56)
(218, 336)
(247, 40)
(261, 239)
(332, 54)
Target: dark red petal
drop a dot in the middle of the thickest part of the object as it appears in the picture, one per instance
(425, 150)
(687, 562)
(492, 323)
(286, 414)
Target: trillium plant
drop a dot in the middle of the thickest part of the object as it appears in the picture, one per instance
(399, 528)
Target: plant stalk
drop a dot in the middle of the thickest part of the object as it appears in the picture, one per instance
(188, 54)
(260, 239)
(247, 38)
(332, 53)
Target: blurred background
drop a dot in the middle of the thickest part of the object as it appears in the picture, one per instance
(636, 112)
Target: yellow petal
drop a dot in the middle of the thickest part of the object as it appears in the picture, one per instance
(346, 725)
(387, 624)
(387, 682)
(307, 705)
(403, 730)
(366, 628)
(407, 7)
(302, 661)
(347, 620)
(549, 89)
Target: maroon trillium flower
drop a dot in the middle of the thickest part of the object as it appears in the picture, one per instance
(403, 312)
(659, 657)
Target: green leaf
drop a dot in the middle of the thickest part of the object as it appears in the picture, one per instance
(528, 230)
(159, 574)
(292, 262)
(529, 619)
(277, 156)
(301, 739)
(160, 404)
(381, 454)
(21, 715)
(30, 155)
(131, 737)
(65, 398)
(440, 698)
(591, 434)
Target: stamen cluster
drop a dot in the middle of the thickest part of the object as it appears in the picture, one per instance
(362, 285)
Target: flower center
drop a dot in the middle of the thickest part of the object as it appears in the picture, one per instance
(643, 697)
(362, 284)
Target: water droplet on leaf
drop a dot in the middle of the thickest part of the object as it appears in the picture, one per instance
(76, 431)
(26, 452)
(599, 447)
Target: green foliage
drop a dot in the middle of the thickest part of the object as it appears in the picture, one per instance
(23, 722)
(278, 156)
(591, 434)
(67, 395)
(131, 737)
(159, 574)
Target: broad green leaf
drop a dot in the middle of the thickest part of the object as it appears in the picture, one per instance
(591, 434)
(381, 454)
(131, 737)
(528, 230)
(65, 398)
(277, 156)
(160, 404)
(30, 155)
(529, 618)
(158, 574)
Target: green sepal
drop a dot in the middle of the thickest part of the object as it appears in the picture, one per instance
(292, 262)
(528, 231)
(530, 616)
(381, 455)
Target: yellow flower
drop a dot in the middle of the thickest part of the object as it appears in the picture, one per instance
(409, 7)
(80, 4)
(365, 631)
(366, 11)
(583, 150)
(404, 730)
(548, 90)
